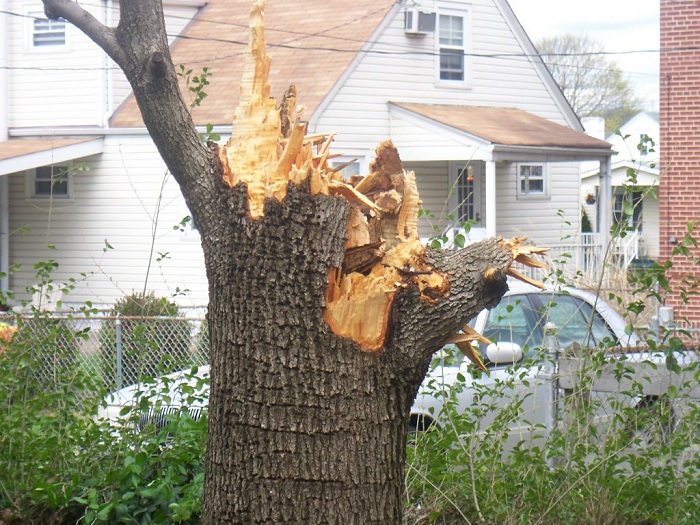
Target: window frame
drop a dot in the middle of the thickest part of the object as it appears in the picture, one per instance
(32, 180)
(464, 48)
(35, 13)
(528, 194)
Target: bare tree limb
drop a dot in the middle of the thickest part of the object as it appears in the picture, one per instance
(102, 35)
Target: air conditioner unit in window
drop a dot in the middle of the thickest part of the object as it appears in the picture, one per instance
(417, 22)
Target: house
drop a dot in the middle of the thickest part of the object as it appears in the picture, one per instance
(456, 85)
(635, 177)
(679, 190)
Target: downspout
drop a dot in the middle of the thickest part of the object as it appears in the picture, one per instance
(4, 185)
(605, 203)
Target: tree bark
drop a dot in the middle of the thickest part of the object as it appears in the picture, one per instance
(308, 413)
(304, 427)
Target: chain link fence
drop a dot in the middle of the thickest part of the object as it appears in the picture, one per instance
(115, 350)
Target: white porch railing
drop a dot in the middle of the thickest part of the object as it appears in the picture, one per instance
(579, 257)
(627, 248)
(582, 257)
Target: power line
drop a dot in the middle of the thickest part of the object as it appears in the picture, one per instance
(290, 44)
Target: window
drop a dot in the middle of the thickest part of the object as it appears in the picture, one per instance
(51, 182)
(531, 180)
(347, 169)
(451, 48)
(47, 32)
(514, 320)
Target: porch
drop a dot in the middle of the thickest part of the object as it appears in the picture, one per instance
(583, 258)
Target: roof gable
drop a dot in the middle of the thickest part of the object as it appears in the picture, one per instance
(305, 49)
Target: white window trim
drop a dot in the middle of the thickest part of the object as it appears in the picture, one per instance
(32, 11)
(545, 194)
(30, 187)
(467, 47)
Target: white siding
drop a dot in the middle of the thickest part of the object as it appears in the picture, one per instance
(49, 87)
(545, 221)
(433, 187)
(72, 85)
(549, 221)
(121, 200)
(402, 68)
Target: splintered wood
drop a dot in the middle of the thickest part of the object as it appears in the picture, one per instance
(269, 149)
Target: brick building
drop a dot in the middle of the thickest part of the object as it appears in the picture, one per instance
(679, 192)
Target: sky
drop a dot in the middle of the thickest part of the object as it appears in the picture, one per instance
(627, 27)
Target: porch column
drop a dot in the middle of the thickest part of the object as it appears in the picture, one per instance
(490, 194)
(605, 202)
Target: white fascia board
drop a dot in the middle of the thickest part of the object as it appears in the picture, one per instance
(51, 156)
(435, 127)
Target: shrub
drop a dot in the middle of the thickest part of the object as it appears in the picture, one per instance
(45, 399)
(154, 340)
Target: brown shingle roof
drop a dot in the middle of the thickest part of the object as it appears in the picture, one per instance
(18, 147)
(506, 126)
(311, 44)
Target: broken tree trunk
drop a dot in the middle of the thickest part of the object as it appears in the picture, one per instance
(325, 310)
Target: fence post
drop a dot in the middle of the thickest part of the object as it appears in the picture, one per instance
(551, 378)
(118, 339)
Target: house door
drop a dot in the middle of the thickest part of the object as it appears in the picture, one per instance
(465, 184)
(622, 200)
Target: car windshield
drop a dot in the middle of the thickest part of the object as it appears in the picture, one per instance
(520, 319)
(515, 320)
(575, 319)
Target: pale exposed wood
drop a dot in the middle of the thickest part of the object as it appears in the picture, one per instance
(352, 195)
(524, 278)
(473, 334)
(358, 231)
(358, 306)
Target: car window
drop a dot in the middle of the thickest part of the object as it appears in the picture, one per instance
(575, 319)
(514, 320)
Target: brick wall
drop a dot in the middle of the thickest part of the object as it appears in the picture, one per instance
(679, 120)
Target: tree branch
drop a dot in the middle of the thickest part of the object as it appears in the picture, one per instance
(103, 36)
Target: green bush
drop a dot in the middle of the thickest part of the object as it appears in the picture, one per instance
(60, 465)
(629, 470)
(45, 399)
(156, 470)
(154, 340)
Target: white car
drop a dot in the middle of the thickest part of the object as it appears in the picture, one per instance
(516, 328)
(515, 325)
